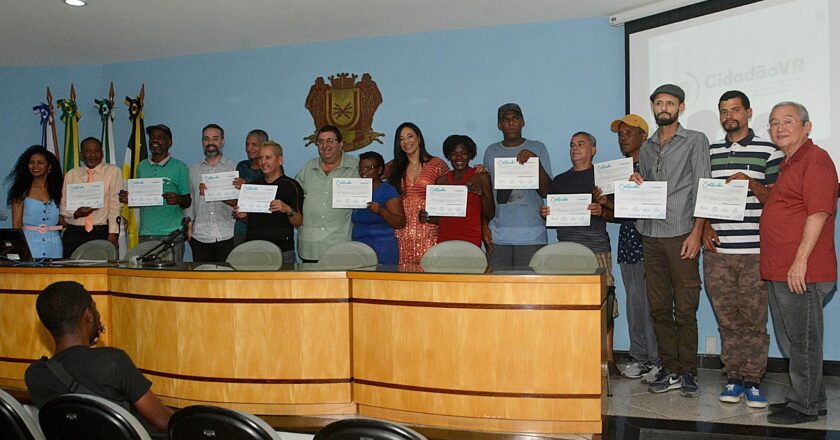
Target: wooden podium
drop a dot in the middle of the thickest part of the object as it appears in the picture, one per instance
(504, 353)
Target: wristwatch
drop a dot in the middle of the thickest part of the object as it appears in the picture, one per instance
(292, 212)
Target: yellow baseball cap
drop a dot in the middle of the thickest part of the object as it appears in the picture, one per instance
(632, 120)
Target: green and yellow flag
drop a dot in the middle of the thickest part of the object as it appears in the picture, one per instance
(70, 117)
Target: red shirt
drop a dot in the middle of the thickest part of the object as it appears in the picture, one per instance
(807, 185)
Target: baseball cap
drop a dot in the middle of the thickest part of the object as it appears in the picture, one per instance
(632, 120)
(509, 106)
(160, 127)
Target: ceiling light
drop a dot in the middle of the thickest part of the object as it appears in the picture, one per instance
(75, 2)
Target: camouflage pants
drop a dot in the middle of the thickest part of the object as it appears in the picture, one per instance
(739, 298)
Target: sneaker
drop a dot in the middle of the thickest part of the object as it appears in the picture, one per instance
(754, 397)
(689, 386)
(650, 376)
(732, 392)
(789, 416)
(665, 381)
(636, 370)
(782, 405)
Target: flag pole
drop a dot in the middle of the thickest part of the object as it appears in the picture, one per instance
(52, 124)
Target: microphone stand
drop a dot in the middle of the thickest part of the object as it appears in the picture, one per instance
(152, 258)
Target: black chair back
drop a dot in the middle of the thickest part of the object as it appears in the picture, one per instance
(203, 422)
(15, 422)
(87, 417)
(369, 429)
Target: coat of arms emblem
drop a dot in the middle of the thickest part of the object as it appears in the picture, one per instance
(348, 105)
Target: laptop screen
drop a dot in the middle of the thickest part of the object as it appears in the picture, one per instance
(13, 245)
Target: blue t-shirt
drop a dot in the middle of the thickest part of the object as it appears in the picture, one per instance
(372, 230)
(517, 220)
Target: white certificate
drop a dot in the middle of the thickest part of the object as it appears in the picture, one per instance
(351, 192)
(510, 174)
(606, 173)
(648, 200)
(91, 195)
(446, 200)
(721, 200)
(256, 198)
(568, 209)
(220, 186)
(145, 192)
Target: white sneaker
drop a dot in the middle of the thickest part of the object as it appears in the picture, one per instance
(635, 370)
(650, 376)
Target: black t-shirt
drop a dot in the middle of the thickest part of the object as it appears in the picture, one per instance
(275, 227)
(593, 236)
(108, 372)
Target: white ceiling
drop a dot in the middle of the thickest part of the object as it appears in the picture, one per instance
(47, 32)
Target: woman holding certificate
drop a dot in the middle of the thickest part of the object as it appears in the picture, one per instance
(410, 171)
(460, 150)
(375, 225)
(35, 195)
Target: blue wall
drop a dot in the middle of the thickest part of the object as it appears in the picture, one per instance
(567, 76)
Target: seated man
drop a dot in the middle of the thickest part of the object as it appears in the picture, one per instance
(69, 313)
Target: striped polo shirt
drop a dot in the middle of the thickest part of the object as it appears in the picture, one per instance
(758, 159)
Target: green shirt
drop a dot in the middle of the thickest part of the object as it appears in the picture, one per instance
(163, 219)
(323, 226)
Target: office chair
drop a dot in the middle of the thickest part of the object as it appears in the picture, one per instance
(143, 247)
(564, 258)
(88, 417)
(368, 429)
(348, 255)
(454, 256)
(256, 255)
(16, 423)
(201, 422)
(102, 250)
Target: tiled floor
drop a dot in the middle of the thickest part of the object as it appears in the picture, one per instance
(630, 398)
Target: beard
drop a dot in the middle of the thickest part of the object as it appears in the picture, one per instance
(665, 118)
(731, 126)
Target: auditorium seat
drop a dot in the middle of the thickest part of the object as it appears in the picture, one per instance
(564, 258)
(102, 250)
(454, 256)
(372, 429)
(348, 255)
(87, 417)
(16, 423)
(201, 422)
(256, 255)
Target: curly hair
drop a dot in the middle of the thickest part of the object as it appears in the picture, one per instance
(61, 305)
(21, 178)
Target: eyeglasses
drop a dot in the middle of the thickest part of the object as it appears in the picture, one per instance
(330, 141)
(784, 123)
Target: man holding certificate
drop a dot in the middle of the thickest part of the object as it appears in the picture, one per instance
(283, 215)
(324, 226)
(585, 223)
(158, 220)
(731, 257)
(517, 231)
(210, 232)
(679, 158)
(90, 201)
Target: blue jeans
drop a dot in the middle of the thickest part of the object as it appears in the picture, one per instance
(639, 323)
(798, 321)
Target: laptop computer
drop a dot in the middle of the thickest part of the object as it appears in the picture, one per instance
(13, 245)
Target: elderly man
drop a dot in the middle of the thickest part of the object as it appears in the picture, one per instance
(323, 226)
(249, 171)
(69, 313)
(679, 157)
(798, 259)
(731, 257)
(211, 231)
(85, 223)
